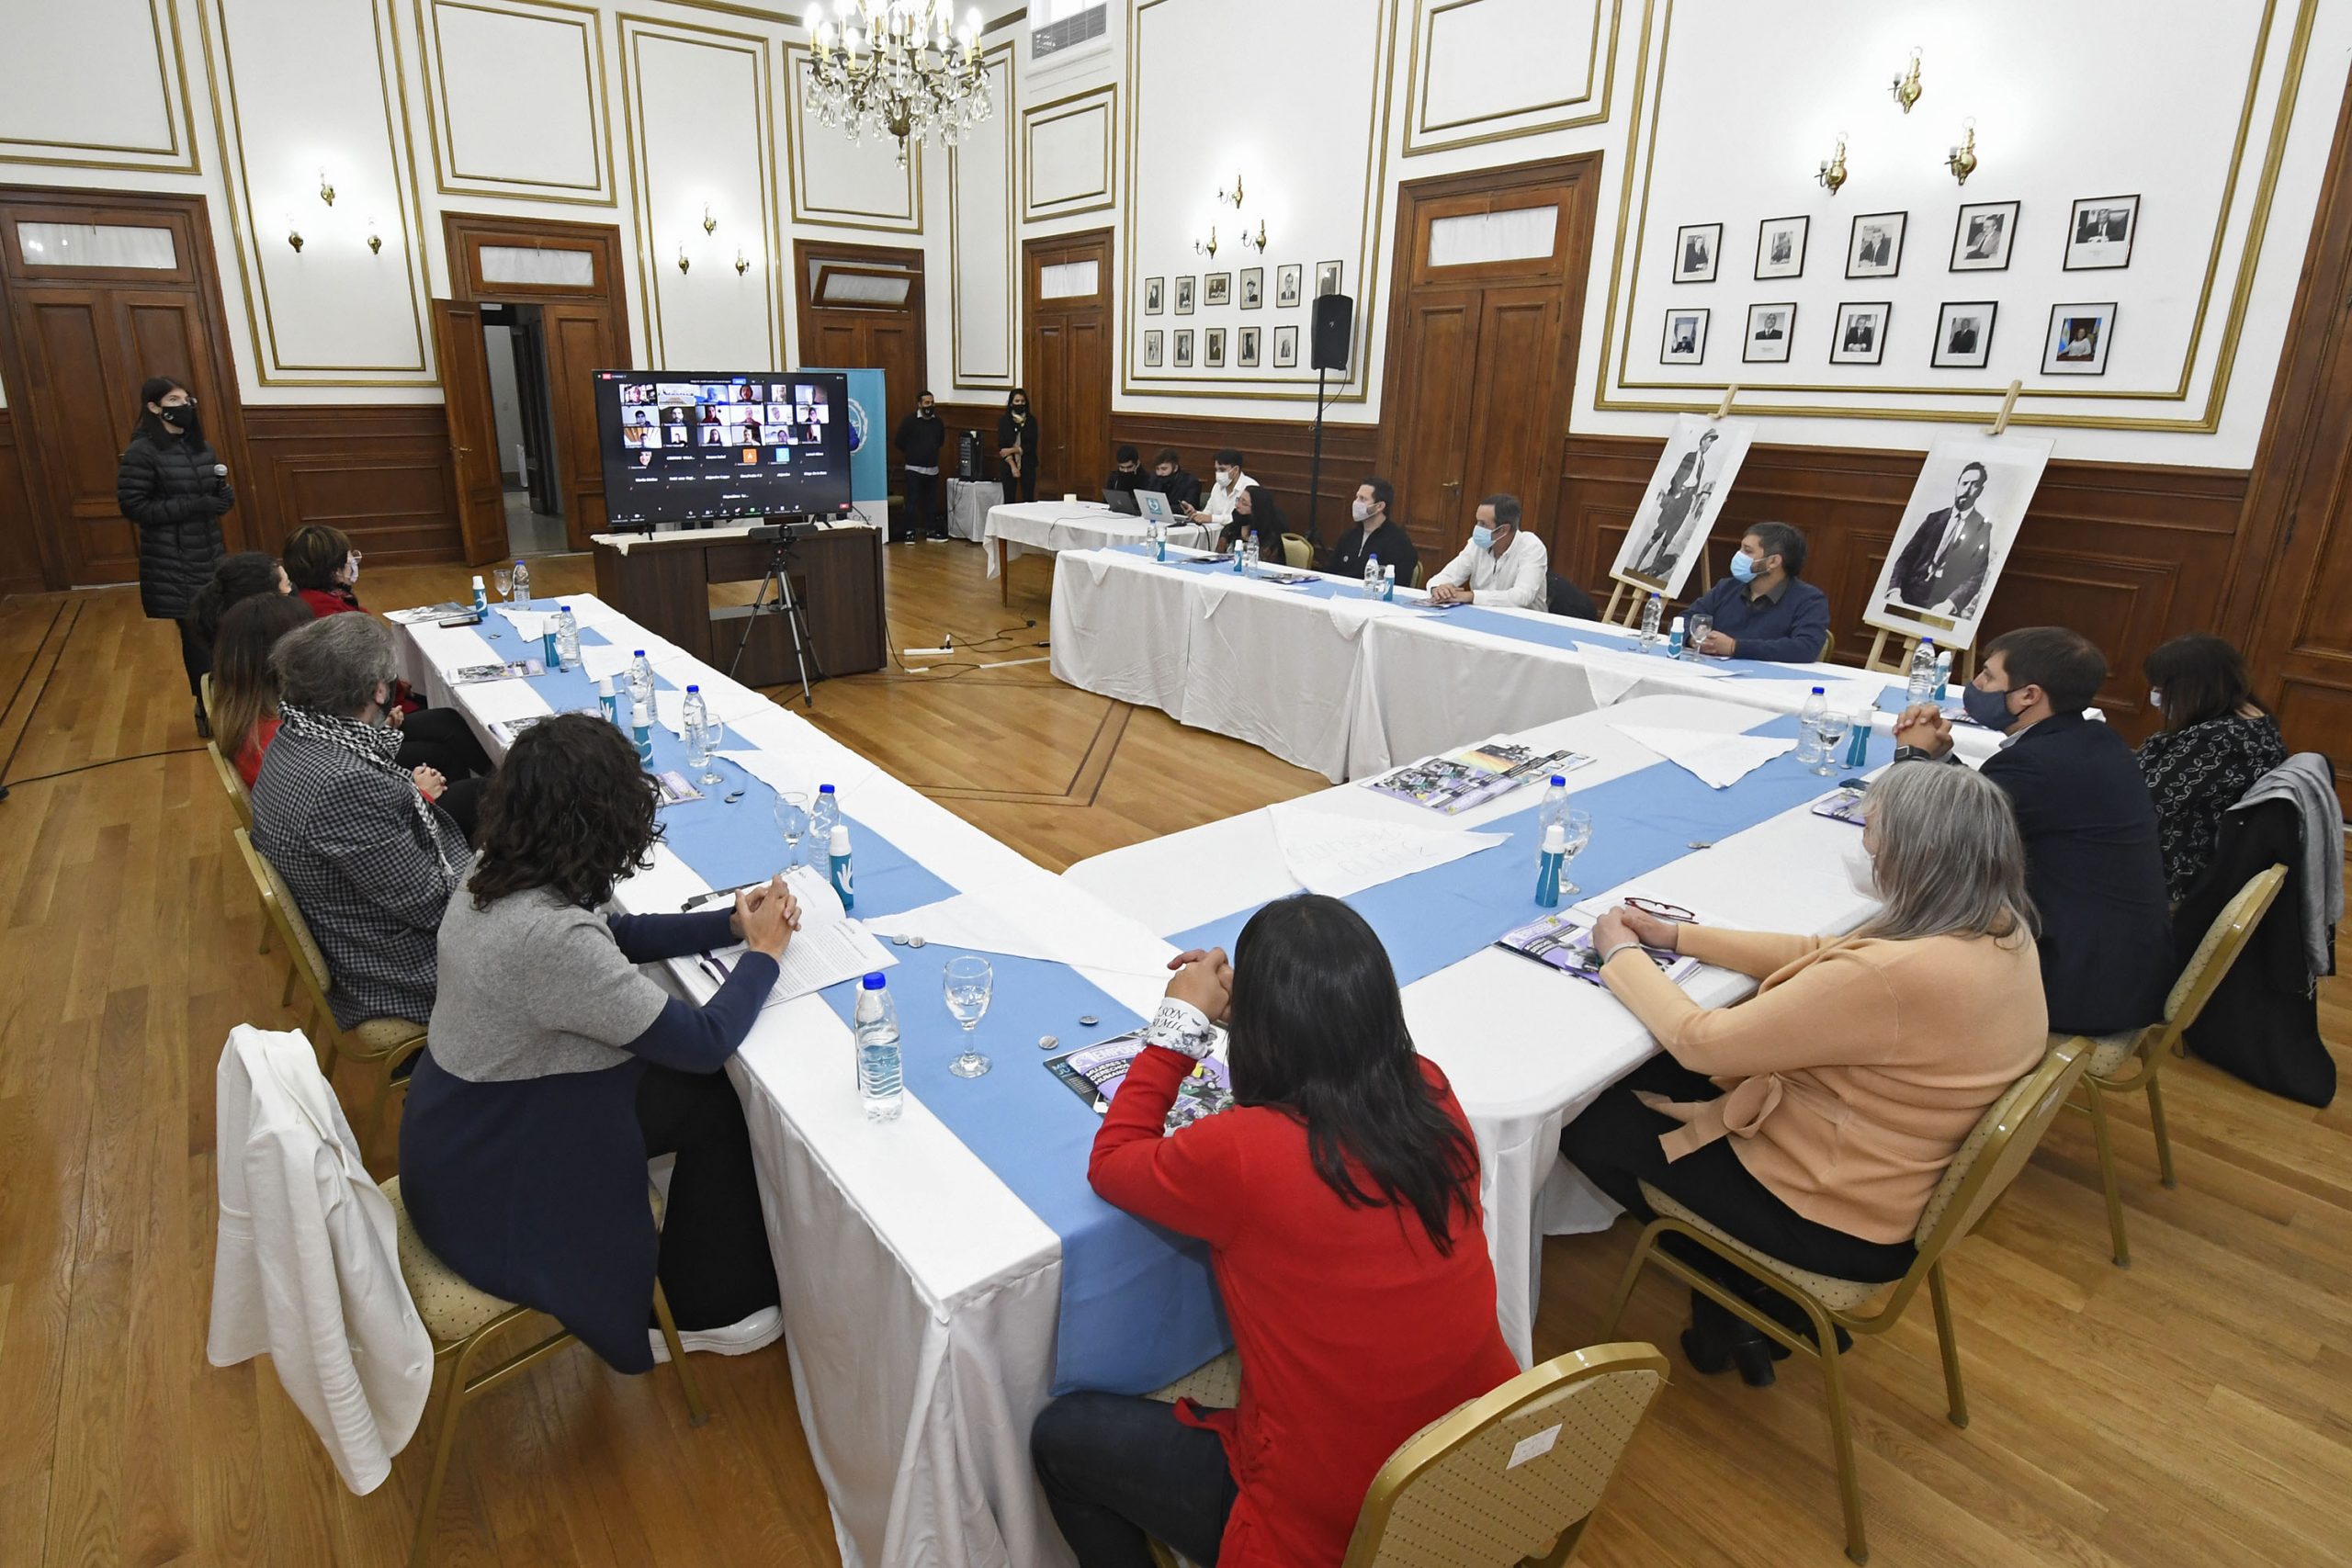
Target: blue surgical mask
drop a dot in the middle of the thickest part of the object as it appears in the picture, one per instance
(1744, 568)
(1482, 538)
(1990, 709)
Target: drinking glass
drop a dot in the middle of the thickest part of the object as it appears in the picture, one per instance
(1578, 823)
(505, 578)
(792, 821)
(1831, 730)
(700, 744)
(1694, 632)
(969, 982)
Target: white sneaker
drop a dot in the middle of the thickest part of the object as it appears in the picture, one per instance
(757, 1332)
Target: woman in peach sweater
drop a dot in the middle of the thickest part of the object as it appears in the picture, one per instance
(1814, 1119)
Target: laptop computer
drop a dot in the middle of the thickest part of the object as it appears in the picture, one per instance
(1150, 505)
(1121, 502)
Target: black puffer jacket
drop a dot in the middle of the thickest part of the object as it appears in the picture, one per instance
(167, 486)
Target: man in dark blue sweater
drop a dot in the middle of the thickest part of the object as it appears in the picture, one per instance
(1764, 609)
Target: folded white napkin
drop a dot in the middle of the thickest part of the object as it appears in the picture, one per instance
(1717, 760)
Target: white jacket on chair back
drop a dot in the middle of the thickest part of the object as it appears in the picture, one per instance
(307, 1264)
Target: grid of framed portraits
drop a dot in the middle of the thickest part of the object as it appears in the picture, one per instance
(1696, 252)
(1770, 329)
(1285, 348)
(1964, 335)
(1208, 347)
(1875, 245)
(1779, 247)
(1860, 335)
(1686, 337)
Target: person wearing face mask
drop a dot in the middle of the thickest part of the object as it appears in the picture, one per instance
(1016, 448)
(1814, 1119)
(1218, 508)
(1169, 477)
(921, 436)
(1762, 610)
(1373, 532)
(2093, 860)
(1503, 565)
(175, 489)
(1126, 472)
(2218, 738)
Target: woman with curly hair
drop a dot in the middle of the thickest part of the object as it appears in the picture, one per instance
(556, 1068)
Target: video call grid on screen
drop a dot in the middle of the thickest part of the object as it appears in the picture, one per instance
(697, 446)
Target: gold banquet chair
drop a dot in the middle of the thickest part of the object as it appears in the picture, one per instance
(1298, 553)
(2122, 1063)
(242, 803)
(383, 1044)
(1994, 1151)
(463, 1323)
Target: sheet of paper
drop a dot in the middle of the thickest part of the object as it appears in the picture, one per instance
(828, 947)
(1330, 853)
(603, 659)
(455, 648)
(1090, 937)
(531, 624)
(1717, 760)
(491, 701)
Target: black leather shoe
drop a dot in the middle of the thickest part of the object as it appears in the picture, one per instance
(1786, 1313)
(203, 725)
(1717, 1342)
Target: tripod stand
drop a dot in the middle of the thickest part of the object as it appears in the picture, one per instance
(779, 577)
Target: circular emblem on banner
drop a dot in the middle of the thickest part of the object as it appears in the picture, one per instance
(857, 425)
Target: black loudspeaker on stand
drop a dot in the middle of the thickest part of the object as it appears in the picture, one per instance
(1335, 318)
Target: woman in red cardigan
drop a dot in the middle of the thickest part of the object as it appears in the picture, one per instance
(1340, 1200)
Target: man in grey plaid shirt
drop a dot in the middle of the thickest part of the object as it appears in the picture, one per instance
(371, 861)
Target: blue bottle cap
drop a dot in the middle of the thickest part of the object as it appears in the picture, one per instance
(875, 982)
(1559, 781)
(640, 653)
(698, 688)
(565, 608)
(1817, 691)
(821, 789)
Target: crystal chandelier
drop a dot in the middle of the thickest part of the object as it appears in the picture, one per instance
(898, 68)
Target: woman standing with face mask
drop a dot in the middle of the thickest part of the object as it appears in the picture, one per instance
(175, 489)
(1016, 448)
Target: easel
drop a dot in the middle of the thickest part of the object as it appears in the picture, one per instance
(1634, 590)
(1964, 659)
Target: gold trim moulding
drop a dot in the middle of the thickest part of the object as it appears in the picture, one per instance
(1599, 77)
(178, 114)
(1105, 97)
(958, 378)
(437, 76)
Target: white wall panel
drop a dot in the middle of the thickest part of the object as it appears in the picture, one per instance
(517, 99)
(94, 84)
(840, 183)
(1483, 70)
(983, 277)
(1070, 154)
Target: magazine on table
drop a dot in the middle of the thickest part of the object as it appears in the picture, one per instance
(675, 787)
(1461, 780)
(423, 612)
(1563, 940)
(513, 670)
(505, 730)
(1094, 1073)
(1844, 804)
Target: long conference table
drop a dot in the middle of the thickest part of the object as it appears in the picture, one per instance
(1049, 527)
(941, 1276)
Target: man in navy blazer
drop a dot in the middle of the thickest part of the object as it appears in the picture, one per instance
(2094, 866)
(1764, 610)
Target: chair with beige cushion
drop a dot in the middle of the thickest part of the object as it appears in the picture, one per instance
(1298, 553)
(241, 802)
(1988, 1160)
(2122, 1063)
(464, 1323)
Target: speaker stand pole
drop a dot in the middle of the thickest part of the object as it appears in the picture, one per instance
(1315, 464)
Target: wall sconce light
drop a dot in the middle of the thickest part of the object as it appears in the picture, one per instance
(1232, 196)
(683, 263)
(326, 187)
(1258, 242)
(742, 263)
(1962, 161)
(709, 224)
(375, 240)
(1206, 247)
(1833, 171)
(1905, 89)
(293, 236)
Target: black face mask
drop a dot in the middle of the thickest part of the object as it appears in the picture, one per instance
(1020, 408)
(926, 413)
(182, 420)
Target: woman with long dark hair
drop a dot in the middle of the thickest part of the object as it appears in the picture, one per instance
(556, 1068)
(236, 578)
(175, 489)
(245, 690)
(1340, 1200)
(1016, 447)
(2218, 738)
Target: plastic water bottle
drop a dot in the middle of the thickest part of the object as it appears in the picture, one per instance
(1249, 555)
(694, 715)
(1858, 740)
(1241, 554)
(1389, 584)
(1652, 614)
(1372, 580)
(881, 1082)
(481, 600)
(838, 866)
(522, 584)
(1674, 639)
(566, 638)
(608, 701)
(1921, 687)
(640, 678)
(1160, 541)
(1554, 804)
(640, 728)
(825, 812)
(1809, 725)
(1548, 863)
(1943, 677)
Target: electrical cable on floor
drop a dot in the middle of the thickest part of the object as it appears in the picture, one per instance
(106, 762)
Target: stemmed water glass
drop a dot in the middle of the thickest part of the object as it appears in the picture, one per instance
(702, 744)
(1577, 821)
(969, 983)
(792, 821)
(504, 577)
(1830, 729)
(1694, 632)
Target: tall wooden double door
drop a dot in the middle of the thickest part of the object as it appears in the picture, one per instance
(1065, 358)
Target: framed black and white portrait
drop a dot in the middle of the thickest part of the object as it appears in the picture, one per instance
(1983, 235)
(1253, 287)
(1151, 350)
(1216, 288)
(1184, 298)
(1770, 329)
(1155, 296)
(1875, 248)
(1184, 348)
(1695, 248)
(1285, 348)
(1245, 348)
(1326, 278)
(1964, 335)
(1213, 348)
(2099, 232)
(1685, 339)
(1779, 247)
(2078, 340)
(1859, 336)
(1286, 286)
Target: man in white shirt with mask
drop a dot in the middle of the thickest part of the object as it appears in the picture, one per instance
(1501, 566)
(1231, 481)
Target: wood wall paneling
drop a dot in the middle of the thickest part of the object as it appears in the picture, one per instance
(380, 472)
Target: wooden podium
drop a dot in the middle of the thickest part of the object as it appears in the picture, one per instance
(663, 582)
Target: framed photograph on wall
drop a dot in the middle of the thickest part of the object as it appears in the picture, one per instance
(1695, 252)
(1155, 296)
(1213, 348)
(2079, 335)
(1184, 294)
(1770, 329)
(1860, 334)
(1286, 286)
(2099, 232)
(1253, 287)
(1780, 246)
(1874, 247)
(1184, 348)
(1151, 350)
(1684, 341)
(1964, 335)
(1326, 278)
(1216, 288)
(1285, 348)
(1955, 536)
(1245, 348)
(1982, 236)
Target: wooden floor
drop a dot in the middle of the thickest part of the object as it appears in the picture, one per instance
(2195, 1409)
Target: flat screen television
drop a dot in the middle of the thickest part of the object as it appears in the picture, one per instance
(701, 447)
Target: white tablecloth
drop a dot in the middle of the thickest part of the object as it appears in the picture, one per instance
(968, 501)
(1051, 527)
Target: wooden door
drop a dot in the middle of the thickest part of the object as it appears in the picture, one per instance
(1429, 459)
(464, 358)
(580, 342)
(80, 332)
(861, 307)
(1066, 359)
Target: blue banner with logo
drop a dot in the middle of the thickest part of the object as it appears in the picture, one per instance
(869, 436)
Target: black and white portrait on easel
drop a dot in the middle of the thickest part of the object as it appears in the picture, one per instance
(1982, 236)
(1687, 490)
(1956, 534)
